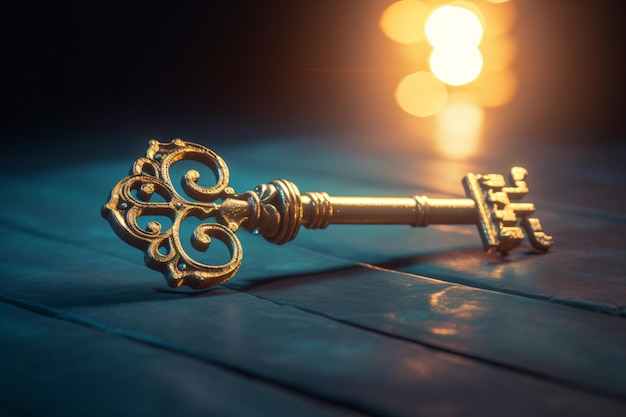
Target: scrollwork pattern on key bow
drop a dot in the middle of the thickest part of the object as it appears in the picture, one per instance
(135, 196)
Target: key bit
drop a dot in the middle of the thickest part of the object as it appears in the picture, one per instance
(277, 210)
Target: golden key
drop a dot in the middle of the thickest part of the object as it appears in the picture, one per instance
(277, 210)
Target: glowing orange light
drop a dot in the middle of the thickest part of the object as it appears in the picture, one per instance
(421, 94)
(494, 88)
(453, 26)
(471, 7)
(459, 126)
(456, 66)
(499, 17)
(498, 52)
(469, 50)
(403, 21)
(416, 55)
(455, 33)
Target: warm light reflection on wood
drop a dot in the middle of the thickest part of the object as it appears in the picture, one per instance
(452, 302)
(443, 331)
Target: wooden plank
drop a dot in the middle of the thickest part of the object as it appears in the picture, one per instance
(577, 199)
(58, 252)
(368, 326)
(325, 359)
(576, 272)
(67, 210)
(570, 345)
(54, 367)
(572, 273)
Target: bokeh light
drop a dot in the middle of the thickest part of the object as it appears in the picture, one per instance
(499, 17)
(415, 55)
(453, 27)
(471, 6)
(421, 94)
(494, 88)
(459, 126)
(456, 65)
(465, 56)
(455, 33)
(404, 21)
(498, 52)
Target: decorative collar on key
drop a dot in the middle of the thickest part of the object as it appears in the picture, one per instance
(277, 210)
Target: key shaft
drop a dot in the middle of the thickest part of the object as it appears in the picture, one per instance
(413, 211)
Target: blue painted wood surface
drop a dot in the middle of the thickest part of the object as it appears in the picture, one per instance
(352, 320)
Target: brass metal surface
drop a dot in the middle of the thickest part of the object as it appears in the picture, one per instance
(277, 210)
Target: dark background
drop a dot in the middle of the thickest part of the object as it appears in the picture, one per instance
(84, 78)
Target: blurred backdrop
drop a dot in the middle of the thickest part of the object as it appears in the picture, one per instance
(101, 78)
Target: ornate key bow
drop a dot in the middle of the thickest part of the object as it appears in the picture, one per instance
(277, 210)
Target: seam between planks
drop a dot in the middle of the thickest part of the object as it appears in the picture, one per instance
(484, 360)
(159, 343)
(579, 305)
(138, 337)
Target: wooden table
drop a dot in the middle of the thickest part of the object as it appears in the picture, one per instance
(349, 321)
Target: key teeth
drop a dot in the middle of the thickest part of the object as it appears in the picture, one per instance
(498, 216)
(509, 238)
(538, 239)
(517, 177)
